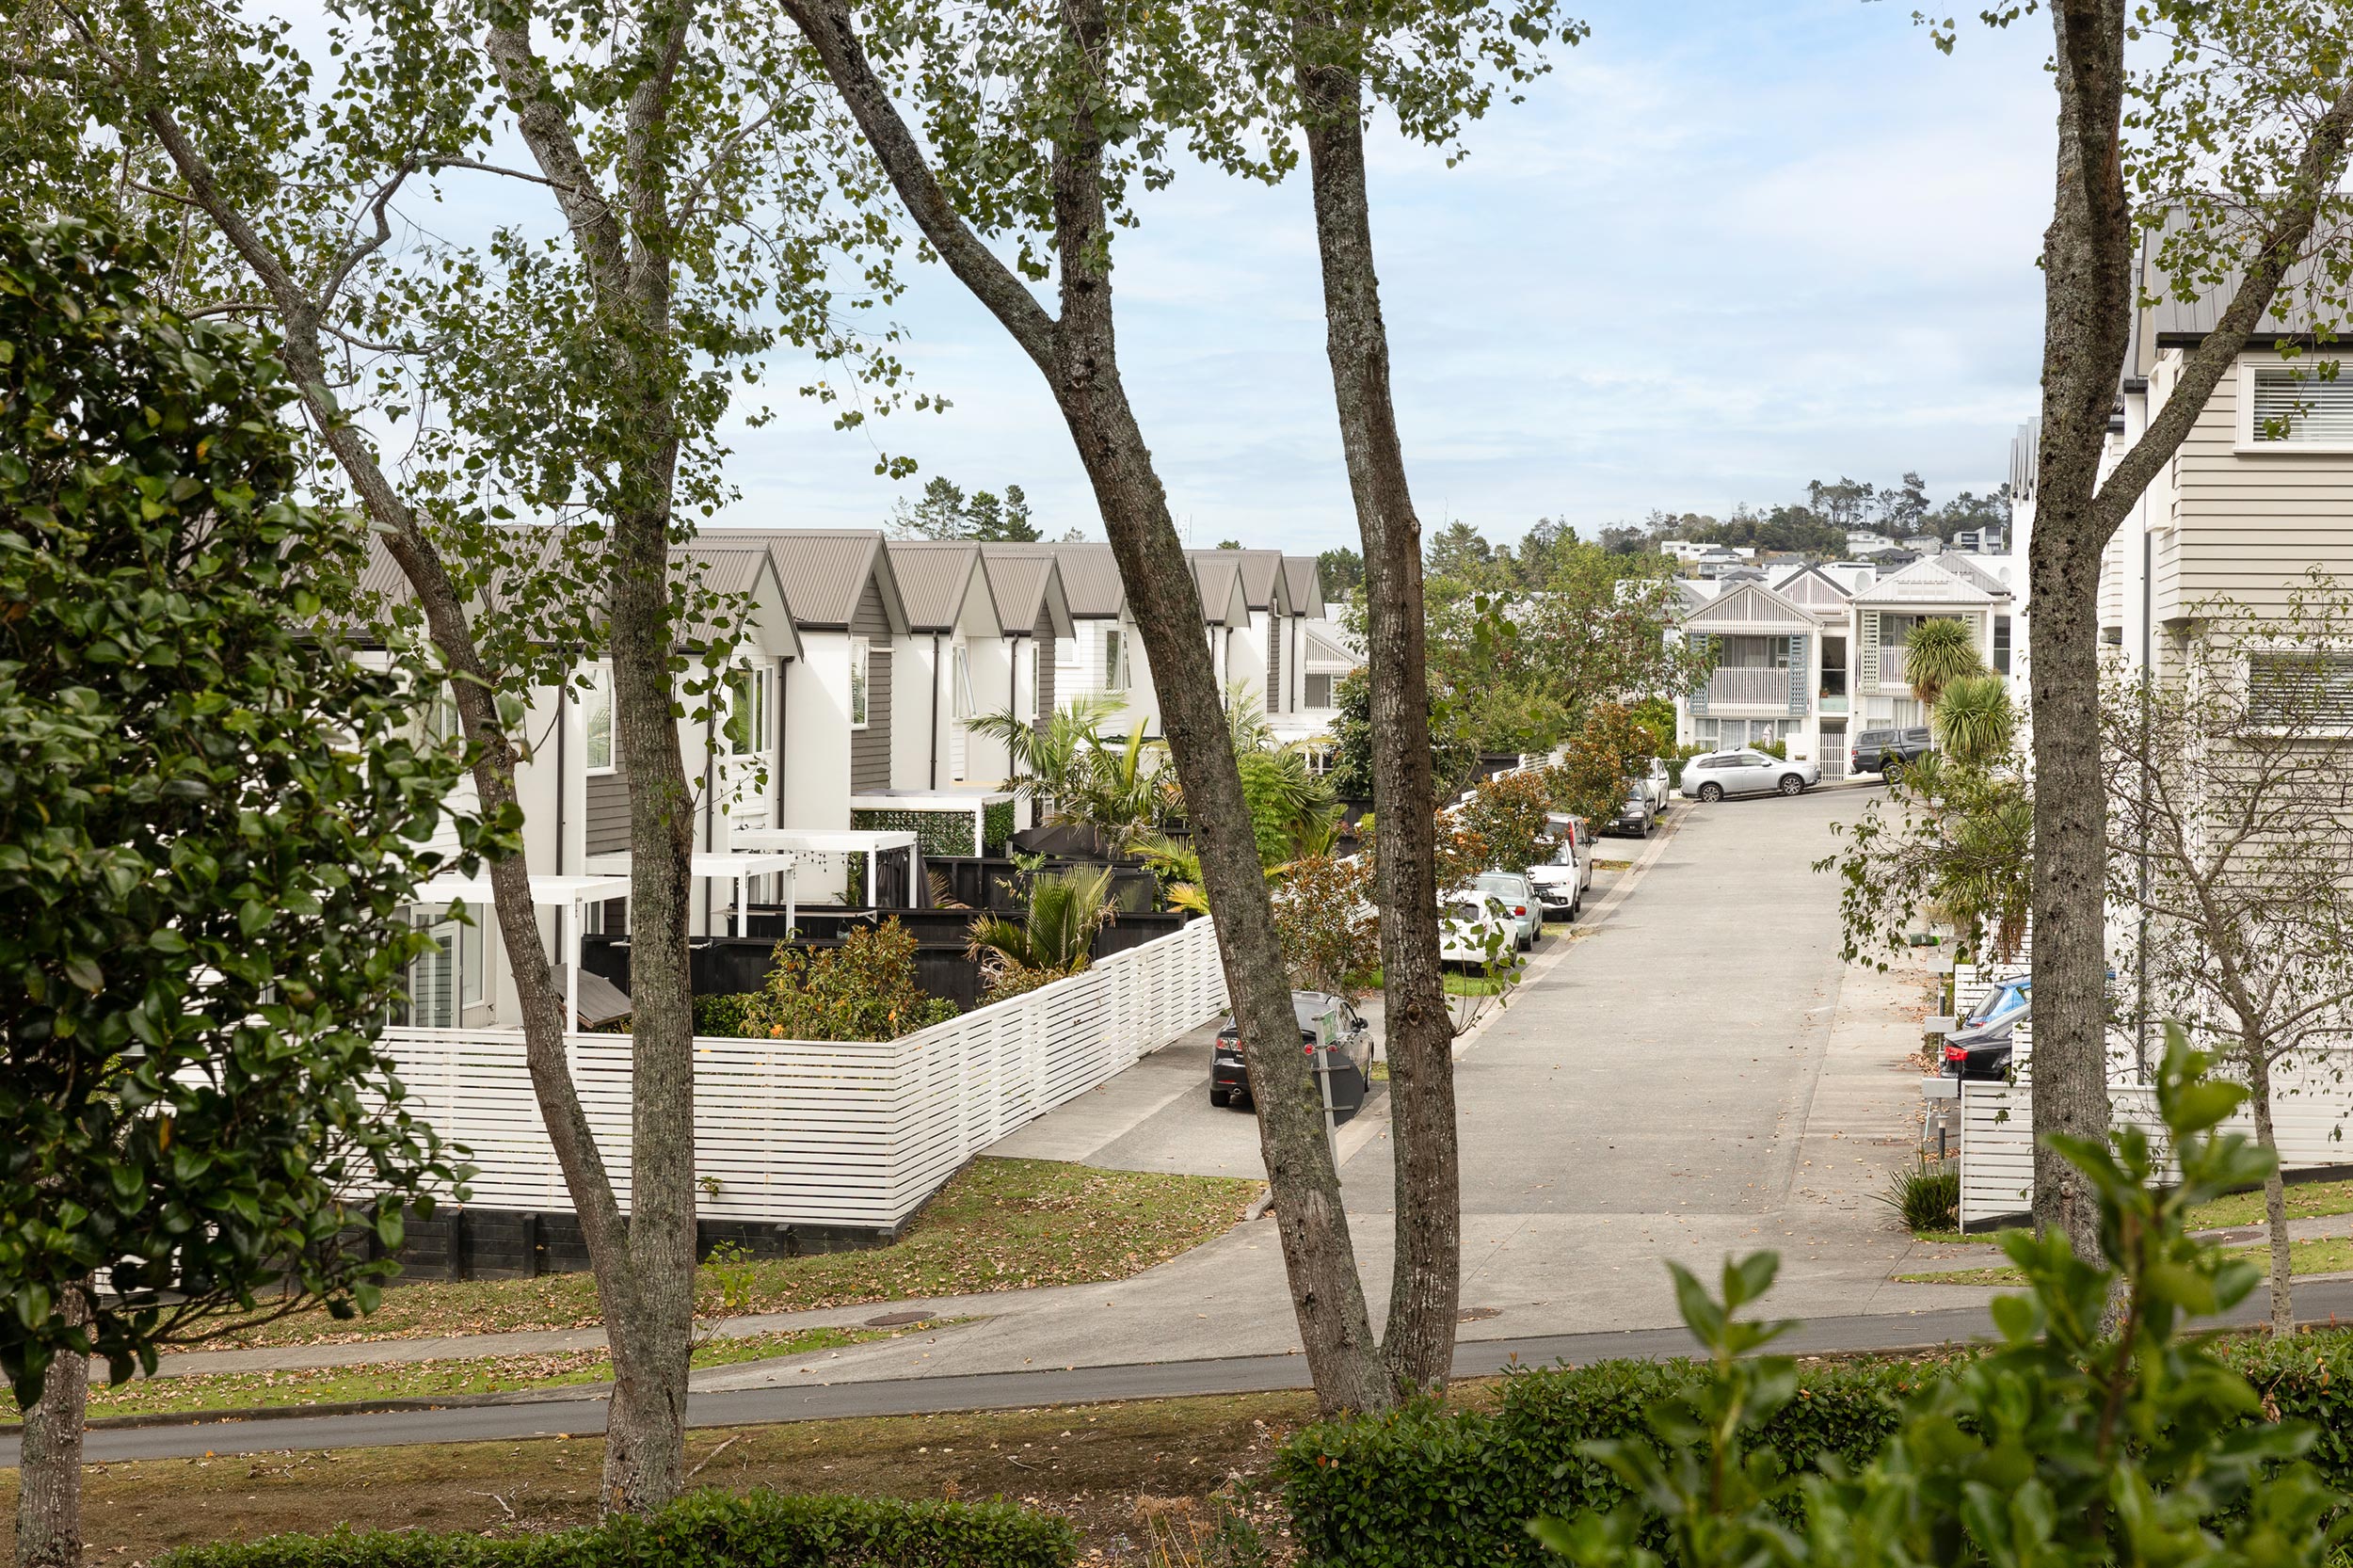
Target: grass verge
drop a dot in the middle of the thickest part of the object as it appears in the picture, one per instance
(1460, 983)
(2305, 1201)
(423, 1380)
(1108, 1469)
(2327, 1254)
(1002, 1224)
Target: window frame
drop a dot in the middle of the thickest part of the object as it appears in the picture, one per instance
(1116, 659)
(598, 701)
(1306, 689)
(861, 693)
(2249, 441)
(960, 704)
(2259, 648)
(758, 698)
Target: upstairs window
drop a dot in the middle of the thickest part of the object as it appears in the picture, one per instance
(858, 682)
(960, 693)
(1318, 691)
(751, 690)
(2301, 691)
(595, 718)
(2298, 404)
(1114, 659)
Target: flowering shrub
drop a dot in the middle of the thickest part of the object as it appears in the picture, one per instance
(1325, 920)
(865, 989)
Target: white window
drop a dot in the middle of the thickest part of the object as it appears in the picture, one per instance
(1318, 691)
(432, 982)
(473, 965)
(1114, 659)
(960, 688)
(858, 682)
(2295, 404)
(596, 719)
(2300, 691)
(751, 707)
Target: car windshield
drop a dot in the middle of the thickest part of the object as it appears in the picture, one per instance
(1309, 1009)
(1563, 854)
(1499, 882)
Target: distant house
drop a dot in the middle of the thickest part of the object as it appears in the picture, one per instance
(1866, 541)
(1987, 540)
(1780, 667)
(1950, 586)
(1924, 544)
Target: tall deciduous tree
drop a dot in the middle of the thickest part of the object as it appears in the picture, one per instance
(573, 365)
(214, 816)
(2239, 125)
(1038, 143)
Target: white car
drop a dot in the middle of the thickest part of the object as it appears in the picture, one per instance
(1746, 773)
(1473, 930)
(1655, 782)
(1565, 874)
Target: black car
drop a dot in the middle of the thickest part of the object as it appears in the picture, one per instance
(1886, 752)
(1981, 1055)
(1350, 1065)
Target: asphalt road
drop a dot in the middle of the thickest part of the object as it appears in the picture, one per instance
(2317, 1301)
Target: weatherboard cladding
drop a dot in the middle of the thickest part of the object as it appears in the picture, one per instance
(870, 747)
(1043, 633)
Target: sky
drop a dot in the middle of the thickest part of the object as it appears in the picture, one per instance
(1723, 249)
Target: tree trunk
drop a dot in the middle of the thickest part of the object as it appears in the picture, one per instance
(1425, 1290)
(2088, 304)
(49, 1466)
(2275, 1194)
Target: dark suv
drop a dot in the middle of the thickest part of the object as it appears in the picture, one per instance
(1885, 751)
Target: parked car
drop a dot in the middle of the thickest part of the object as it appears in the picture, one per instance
(1982, 1054)
(1887, 752)
(1746, 773)
(1655, 782)
(1229, 1075)
(1637, 815)
(1564, 874)
(1465, 922)
(1518, 896)
(2008, 998)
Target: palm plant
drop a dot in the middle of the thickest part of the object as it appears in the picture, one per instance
(1936, 652)
(1178, 867)
(1973, 719)
(1054, 937)
(1089, 778)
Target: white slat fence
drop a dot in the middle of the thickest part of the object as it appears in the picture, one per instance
(821, 1133)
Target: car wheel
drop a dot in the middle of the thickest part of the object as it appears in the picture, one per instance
(1711, 792)
(1792, 784)
(1221, 1097)
(1892, 771)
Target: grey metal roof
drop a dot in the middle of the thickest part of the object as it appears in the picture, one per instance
(1305, 577)
(1263, 584)
(2173, 320)
(934, 577)
(1090, 578)
(1969, 572)
(1024, 581)
(1218, 575)
(824, 572)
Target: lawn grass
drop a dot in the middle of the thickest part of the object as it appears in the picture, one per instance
(1460, 983)
(422, 1380)
(1000, 1225)
(2327, 1254)
(2305, 1200)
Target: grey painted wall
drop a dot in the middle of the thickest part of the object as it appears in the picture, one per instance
(869, 748)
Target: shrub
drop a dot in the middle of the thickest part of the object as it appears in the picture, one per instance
(1508, 812)
(706, 1529)
(728, 1016)
(1928, 1196)
(865, 989)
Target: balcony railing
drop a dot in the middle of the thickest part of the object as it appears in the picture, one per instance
(1892, 665)
(1751, 688)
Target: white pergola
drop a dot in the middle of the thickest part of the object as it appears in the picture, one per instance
(563, 895)
(718, 866)
(791, 843)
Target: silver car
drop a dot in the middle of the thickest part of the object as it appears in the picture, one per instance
(1517, 895)
(1746, 773)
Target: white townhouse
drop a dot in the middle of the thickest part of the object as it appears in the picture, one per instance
(953, 665)
(1973, 591)
(1107, 657)
(1255, 649)
(1779, 672)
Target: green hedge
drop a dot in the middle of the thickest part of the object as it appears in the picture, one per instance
(996, 826)
(943, 832)
(1433, 1488)
(1426, 1487)
(706, 1529)
(726, 1016)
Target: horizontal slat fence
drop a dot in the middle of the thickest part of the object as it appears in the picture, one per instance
(818, 1133)
(2310, 1111)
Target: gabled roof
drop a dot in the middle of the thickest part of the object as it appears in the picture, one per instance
(1816, 590)
(1263, 584)
(734, 572)
(1090, 578)
(1218, 575)
(935, 579)
(826, 571)
(1750, 607)
(1970, 572)
(1025, 582)
(1924, 582)
(1304, 575)
(1328, 643)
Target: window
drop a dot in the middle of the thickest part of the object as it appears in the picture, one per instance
(1318, 691)
(751, 706)
(1894, 629)
(858, 682)
(432, 984)
(2300, 690)
(597, 719)
(960, 687)
(473, 961)
(2296, 405)
(1114, 659)
(2001, 644)
(1753, 653)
